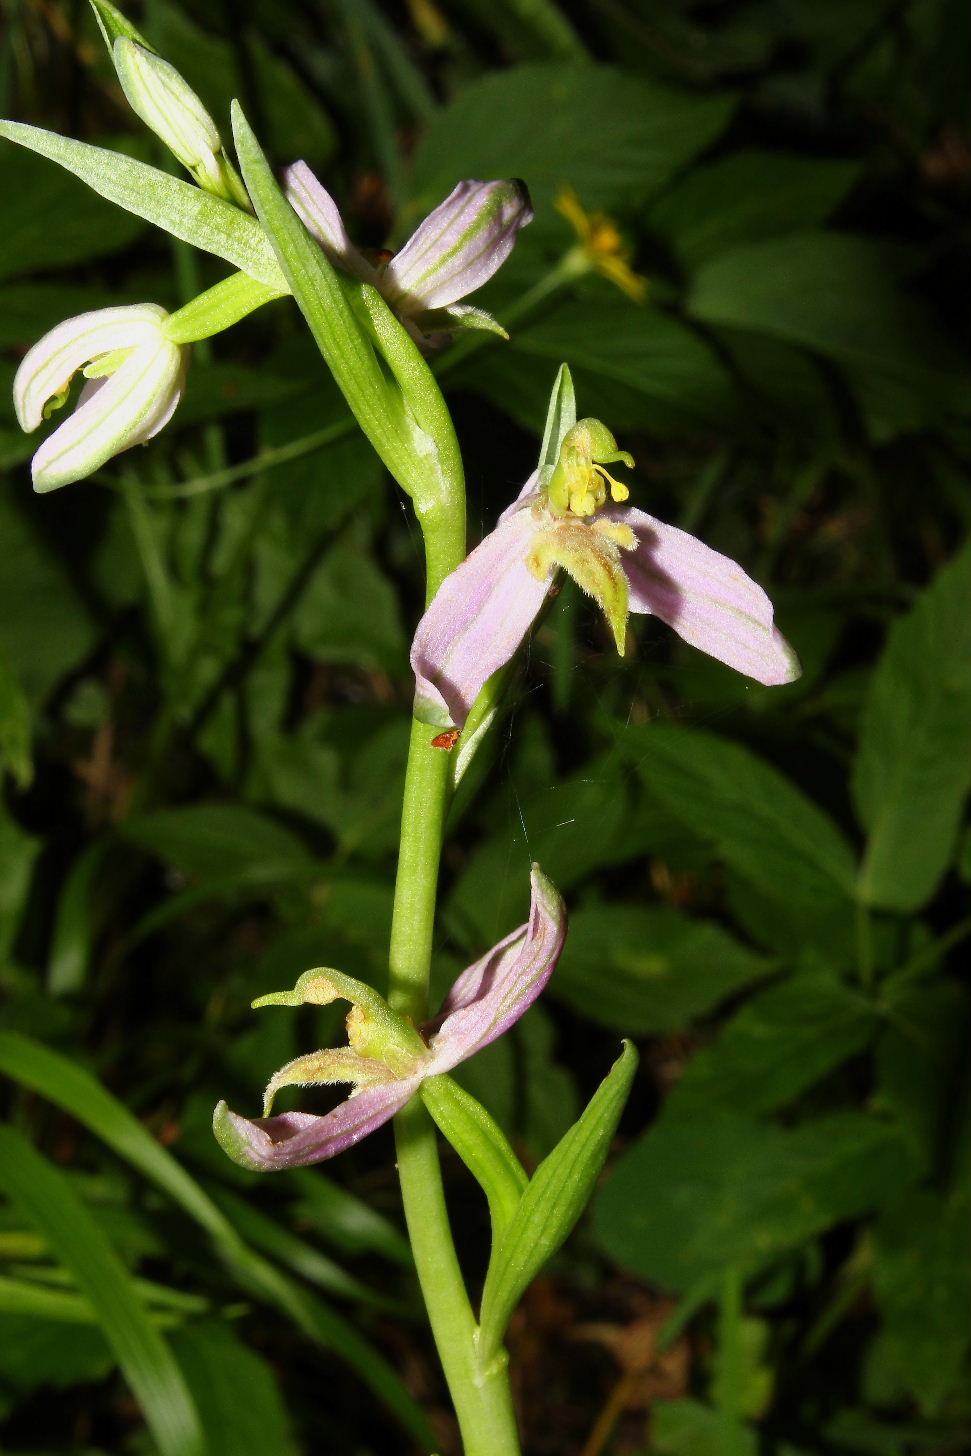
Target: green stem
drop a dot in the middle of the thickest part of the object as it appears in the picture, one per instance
(483, 1404)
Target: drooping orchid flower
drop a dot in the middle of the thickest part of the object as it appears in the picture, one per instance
(625, 559)
(135, 377)
(454, 251)
(387, 1058)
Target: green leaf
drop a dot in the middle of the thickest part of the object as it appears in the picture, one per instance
(70, 1087)
(480, 1143)
(782, 1041)
(691, 1199)
(688, 1428)
(669, 375)
(236, 1392)
(760, 823)
(561, 416)
(216, 841)
(79, 917)
(179, 208)
(921, 1069)
(38, 1350)
(48, 1199)
(553, 1201)
(614, 137)
(349, 611)
(15, 726)
(921, 1253)
(34, 202)
(912, 770)
(745, 197)
(58, 630)
(647, 969)
(838, 295)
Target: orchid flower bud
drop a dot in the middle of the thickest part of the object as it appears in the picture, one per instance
(168, 105)
(135, 376)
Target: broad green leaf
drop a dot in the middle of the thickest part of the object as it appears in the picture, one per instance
(922, 1247)
(782, 1040)
(480, 1143)
(838, 295)
(921, 1069)
(688, 1428)
(179, 208)
(571, 828)
(45, 1351)
(745, 197)
(760, 823)
(58, 630)
(555, 1197)
(48, 1199)
(349, 611)
(791, 393)
(912, 769)
(649, 968)
(692, 1198)
(614, 137)
(560, 417)
(34, 201)
(218, 840)
(235, 1390)
(669, 375)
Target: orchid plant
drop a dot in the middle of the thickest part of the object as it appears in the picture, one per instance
(374, 320)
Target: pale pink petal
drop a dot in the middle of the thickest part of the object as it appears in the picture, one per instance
(492, 994)
(459, 246)
(293, 1139)
(318, 212)
(476, 621)
(706, 597)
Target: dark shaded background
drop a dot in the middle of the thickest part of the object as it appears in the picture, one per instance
(203, 691)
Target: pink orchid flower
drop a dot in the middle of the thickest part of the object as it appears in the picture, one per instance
(455, 250)
(387, 1058)
(625, 559)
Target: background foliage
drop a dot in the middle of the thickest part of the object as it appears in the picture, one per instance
(203, 677)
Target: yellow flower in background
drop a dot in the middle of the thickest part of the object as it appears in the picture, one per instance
(601, 244)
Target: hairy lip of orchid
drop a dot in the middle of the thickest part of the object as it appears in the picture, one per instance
(455, 250)
(387, 1058)
(135, 377)
(625, 559)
